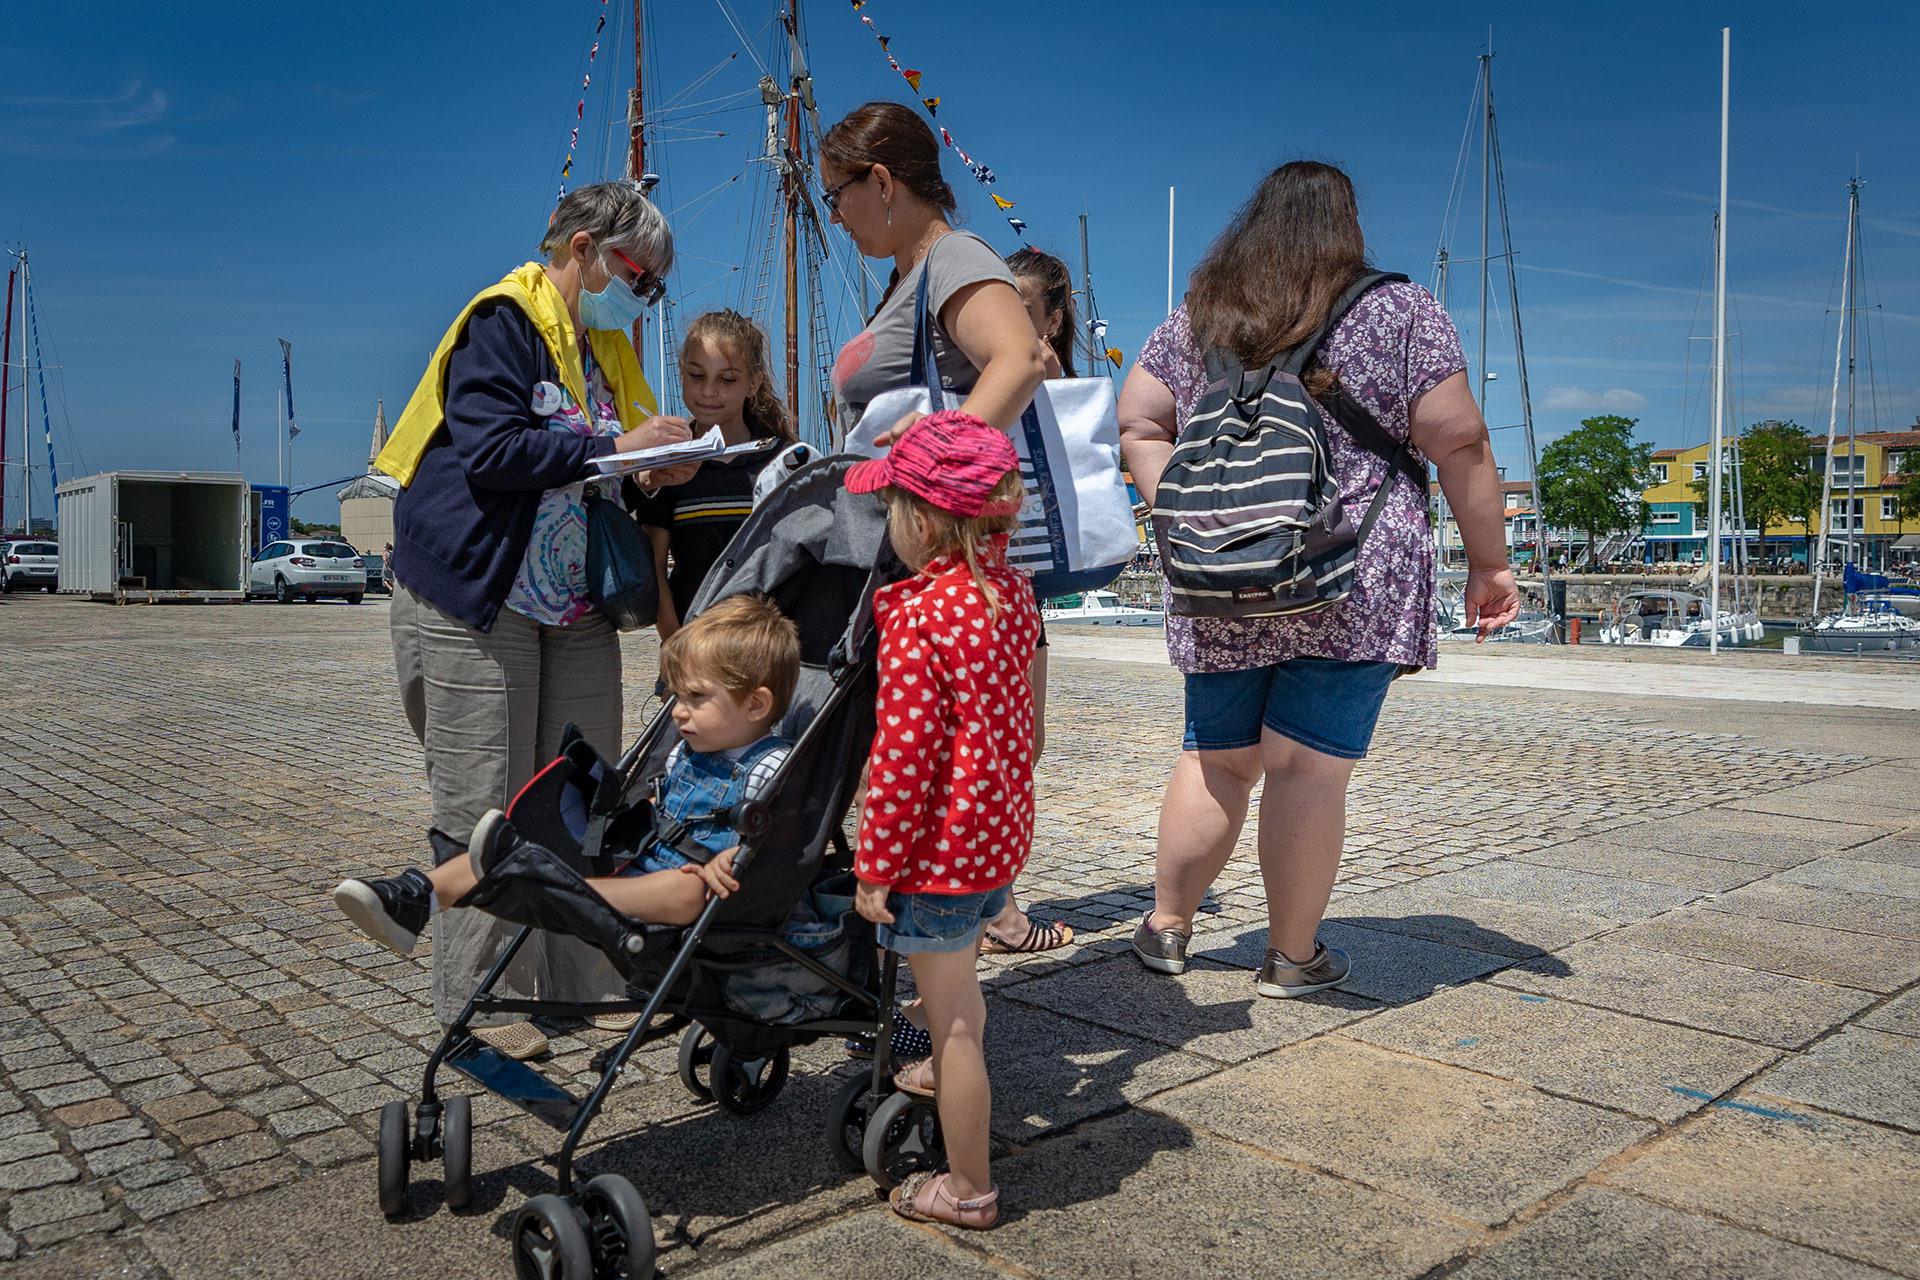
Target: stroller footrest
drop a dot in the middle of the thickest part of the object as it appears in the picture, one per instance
(515, 1081)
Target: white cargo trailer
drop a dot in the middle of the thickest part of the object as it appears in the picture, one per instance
(155, 536)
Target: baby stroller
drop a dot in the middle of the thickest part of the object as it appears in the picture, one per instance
(782, 961)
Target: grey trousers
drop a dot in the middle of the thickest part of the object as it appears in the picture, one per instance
(489, 707)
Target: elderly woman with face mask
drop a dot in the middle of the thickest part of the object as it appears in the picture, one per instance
(497, 645)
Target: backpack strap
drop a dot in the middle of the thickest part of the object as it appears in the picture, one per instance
(1355, 418)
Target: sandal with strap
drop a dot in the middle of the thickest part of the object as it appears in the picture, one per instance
(904, 1079)
(906, 1202)
(1042, 935)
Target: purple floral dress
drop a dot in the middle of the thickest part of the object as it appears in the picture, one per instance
(1396, 345)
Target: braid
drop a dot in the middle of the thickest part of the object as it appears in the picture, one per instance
(764, 413)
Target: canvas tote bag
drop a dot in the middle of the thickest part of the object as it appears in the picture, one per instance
(1077, 529)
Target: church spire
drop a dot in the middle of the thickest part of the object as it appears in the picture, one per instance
(379, 431)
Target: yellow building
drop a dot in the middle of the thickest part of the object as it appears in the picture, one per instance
(1676, 527)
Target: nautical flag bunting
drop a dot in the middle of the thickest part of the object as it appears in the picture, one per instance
(981, 174)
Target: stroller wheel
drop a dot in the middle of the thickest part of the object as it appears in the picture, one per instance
(619, 1229)
(743, 1086)
(395, 1156)
(696, 1059)
(549, 1243)
(903, 1137)
(456, 1150)
(847, 1122)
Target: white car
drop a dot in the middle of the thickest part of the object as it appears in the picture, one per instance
(298, 568)
(26, 564)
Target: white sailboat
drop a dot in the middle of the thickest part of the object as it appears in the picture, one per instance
(1870, 619)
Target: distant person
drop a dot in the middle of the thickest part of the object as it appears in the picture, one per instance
(725, 382)
(1294, 700)
(497, 644)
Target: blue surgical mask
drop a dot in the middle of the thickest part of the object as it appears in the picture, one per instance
(615, 307)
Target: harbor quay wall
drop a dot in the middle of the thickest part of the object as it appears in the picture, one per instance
(1778, 598)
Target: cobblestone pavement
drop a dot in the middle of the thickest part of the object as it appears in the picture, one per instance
(1635, 980)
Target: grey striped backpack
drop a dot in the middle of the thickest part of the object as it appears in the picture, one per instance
(1248, 514)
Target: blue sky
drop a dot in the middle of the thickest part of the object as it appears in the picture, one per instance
(196, 181)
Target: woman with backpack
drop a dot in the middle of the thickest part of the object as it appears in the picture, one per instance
(1292, 699)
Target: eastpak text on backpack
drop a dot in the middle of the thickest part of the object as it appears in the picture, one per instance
(1248, 514)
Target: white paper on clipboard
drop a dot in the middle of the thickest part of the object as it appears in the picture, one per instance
(702, 448)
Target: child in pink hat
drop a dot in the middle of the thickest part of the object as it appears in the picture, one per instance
(949, 811)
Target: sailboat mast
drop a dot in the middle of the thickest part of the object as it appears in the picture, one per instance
(1719, 349)
(1853, 330)
(637, 169)
(6, 390)
(1819, 565)
(1486, 169)
(26, 399)
(793, 210)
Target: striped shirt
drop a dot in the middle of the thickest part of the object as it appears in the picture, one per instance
(700, 518)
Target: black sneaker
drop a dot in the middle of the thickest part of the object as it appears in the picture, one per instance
(392, 911)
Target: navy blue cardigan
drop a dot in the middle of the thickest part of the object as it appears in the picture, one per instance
(461, 529)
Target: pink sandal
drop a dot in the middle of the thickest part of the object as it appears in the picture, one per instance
(904, 1083)
(905, 1201)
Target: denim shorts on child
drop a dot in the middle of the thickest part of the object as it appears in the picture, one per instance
(927, 922)
(1322, 703)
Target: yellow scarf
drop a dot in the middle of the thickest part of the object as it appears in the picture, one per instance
(527, 288)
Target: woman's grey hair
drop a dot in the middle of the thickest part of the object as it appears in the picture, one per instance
(617, 216)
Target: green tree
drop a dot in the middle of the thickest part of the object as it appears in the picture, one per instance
(1778, 480)
(1906, 499)
(1592, 479)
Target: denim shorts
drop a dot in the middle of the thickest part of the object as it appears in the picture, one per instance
(926, 922)
(1322, 703)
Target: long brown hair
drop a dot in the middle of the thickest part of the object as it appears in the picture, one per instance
(893, 135)
(765, 415)
(1270, 280)
(1056, 287)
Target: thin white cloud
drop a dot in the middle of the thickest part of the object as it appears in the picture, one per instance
(1585, 400)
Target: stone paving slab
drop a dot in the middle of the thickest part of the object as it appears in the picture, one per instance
(1839, 956)
(1854, 876)
(1474, 1147)
(1142, 1196)
(1391, 968)
(193, 1050)
(1781, 899)
(1209, 1011)
(1838, 1185)
(1786, 1012)
(1603, 1235)
(1903, 849)
(1569, 1049)
(1867, 1074)
(1608, 854)
(1423, 909)
(1901, 1016)
(1614, 897)
(874, 1245)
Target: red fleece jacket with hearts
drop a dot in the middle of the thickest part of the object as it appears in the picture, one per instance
(950, 781)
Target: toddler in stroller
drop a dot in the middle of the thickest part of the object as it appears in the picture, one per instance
(731, 673)
(738, 933)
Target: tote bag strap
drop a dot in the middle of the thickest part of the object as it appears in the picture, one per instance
(925, 366)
